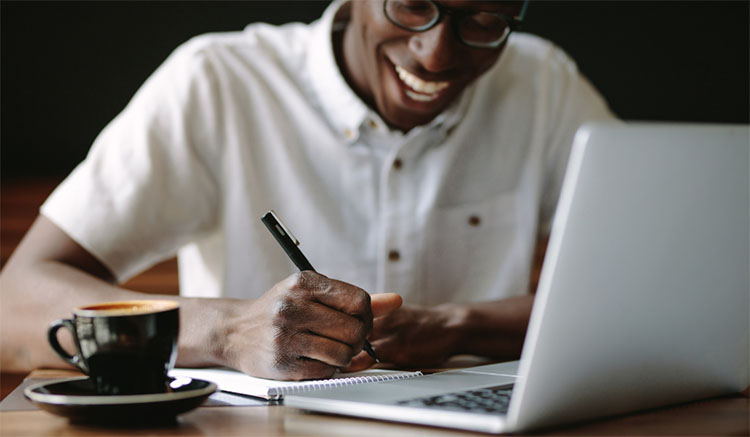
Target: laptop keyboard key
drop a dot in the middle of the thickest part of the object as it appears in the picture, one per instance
(492, 400)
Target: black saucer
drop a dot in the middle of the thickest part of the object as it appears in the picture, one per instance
(76, 399)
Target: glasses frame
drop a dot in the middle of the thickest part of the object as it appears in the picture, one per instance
(514, 23)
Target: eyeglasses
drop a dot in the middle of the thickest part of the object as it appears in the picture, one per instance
(474, 28)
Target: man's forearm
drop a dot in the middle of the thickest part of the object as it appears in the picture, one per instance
(33, 295)
(50, 274)
(492, 329)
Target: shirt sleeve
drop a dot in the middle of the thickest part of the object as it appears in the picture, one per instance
(148, 185)
(577, 102)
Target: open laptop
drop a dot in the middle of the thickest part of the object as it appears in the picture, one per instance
(643, 299)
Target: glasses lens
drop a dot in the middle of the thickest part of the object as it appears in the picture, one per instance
(412, 14)
(483, 29)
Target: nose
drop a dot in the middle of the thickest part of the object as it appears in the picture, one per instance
(436, 49)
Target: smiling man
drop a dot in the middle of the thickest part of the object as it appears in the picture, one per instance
(414, 146)
(411, 78)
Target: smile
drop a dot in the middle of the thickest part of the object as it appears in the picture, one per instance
(419, 89)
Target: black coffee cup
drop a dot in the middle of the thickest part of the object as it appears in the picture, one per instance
(125, 347)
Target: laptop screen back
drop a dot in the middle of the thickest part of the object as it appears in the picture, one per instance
(646, 275)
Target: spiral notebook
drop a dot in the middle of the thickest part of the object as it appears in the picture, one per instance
(233, 381)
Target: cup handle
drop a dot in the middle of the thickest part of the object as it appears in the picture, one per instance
(52, 338)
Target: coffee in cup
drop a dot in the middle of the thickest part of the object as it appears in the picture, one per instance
(125, 347)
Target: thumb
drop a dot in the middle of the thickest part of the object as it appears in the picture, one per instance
(384, 304)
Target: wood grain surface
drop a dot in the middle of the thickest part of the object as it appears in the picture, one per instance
(726, 416)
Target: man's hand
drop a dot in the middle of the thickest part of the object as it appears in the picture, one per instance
(409, 337)
(414, 337)
(306, 327)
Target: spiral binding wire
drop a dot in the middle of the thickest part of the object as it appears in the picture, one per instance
(279, 392)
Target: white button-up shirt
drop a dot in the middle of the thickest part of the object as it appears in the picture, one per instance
(235, 124)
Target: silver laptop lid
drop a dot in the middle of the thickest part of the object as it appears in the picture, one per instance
(651, 231)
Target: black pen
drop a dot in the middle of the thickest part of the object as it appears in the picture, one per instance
(289, 243)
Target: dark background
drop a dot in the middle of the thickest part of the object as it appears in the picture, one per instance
(68, 68)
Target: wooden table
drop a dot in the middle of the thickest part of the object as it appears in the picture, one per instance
(721, 416)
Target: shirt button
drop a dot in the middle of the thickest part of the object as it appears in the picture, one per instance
(397, 164)
(474, 220)
(349, 134)
(373, 124)
(394, 256)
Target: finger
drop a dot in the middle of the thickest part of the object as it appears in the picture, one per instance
(379, 329)
(384, 303)
(306, 368)
(325, 350)
(328, 322)
(361, 361)
(338, 295)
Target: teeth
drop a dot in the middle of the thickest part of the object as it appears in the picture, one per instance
(428, 90)
(421, 97)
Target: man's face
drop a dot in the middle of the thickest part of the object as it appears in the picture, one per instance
(410, 77)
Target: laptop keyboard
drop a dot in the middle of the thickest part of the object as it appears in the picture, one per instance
(488, 400)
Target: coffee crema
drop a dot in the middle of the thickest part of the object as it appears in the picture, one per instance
(126, 308)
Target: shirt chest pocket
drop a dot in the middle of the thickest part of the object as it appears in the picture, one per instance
(478, 251)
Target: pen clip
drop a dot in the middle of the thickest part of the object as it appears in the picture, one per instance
(282, 228)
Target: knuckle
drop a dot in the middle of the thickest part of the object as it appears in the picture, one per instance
(364, 302)
(356, 331)
(296, 281)
(285, 311)
(306, 284)
(306, 280)
(355, 301)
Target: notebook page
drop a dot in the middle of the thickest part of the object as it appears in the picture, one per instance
(233, 381)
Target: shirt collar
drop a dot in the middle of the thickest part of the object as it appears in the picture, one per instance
(341, 106)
